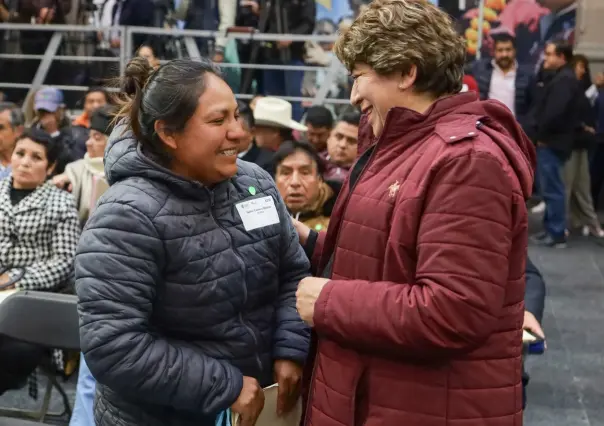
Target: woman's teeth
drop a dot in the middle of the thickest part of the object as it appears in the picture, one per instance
(228, 152)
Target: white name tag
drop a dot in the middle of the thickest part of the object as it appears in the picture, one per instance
(258, 213)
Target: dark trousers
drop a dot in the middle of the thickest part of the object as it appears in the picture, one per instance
(18, 360)
(550, 167)
(596, 168)
(285, 83)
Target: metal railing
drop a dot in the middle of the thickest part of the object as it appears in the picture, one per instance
(126, 49)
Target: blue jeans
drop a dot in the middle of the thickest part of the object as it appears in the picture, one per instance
(550, 167)
(83, 410)
(285, 83)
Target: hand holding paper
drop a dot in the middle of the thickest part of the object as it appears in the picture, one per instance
(250, 403)
(531, 324)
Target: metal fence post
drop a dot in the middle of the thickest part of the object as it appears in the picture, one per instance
(192, 49)
(42, 71)
(123, 49)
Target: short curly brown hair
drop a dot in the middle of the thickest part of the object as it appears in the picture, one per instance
(392, 35)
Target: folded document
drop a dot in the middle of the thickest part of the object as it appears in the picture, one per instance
(269, 417)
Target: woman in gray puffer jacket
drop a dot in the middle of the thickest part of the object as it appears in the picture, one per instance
(187, 270)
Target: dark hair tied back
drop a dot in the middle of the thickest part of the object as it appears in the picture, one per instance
(137, 74)
(170, 94)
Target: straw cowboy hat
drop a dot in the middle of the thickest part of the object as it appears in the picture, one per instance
(275, 112)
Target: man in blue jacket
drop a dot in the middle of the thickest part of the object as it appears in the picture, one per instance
(503, 79)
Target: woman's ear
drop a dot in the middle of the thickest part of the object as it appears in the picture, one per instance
(408, 79)
(166, 136)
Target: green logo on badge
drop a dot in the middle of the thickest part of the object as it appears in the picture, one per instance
(252, 190)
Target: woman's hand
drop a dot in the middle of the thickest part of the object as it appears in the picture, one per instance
(250, 403)
(5, 278)
(308, 292)
(288, 376)
(531, 324)
(62, 182)
(303, 231)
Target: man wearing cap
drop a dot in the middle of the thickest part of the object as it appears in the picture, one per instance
(274, 123)
(50, 117)
(85, 178)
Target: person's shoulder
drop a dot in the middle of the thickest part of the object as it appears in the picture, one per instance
(525, 71)
(75, 167)
(249, 173)
(58, 200)
(565, 76)
(135, 193)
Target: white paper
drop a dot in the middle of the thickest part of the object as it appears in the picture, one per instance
(528, 337)
(268, 417)
(258, 213)
(6, 293)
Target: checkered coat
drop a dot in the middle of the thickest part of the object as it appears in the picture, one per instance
(39, 234)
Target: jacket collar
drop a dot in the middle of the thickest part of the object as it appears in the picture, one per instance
(35, 200)
(403, 124)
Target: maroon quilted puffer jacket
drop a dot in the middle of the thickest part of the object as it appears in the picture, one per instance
(421, 322)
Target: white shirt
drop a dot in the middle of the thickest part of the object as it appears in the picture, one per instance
(503, 87)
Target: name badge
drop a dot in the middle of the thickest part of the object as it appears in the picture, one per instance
(258, 213)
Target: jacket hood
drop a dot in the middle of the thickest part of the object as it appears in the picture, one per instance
(125, 159)
(498, 122)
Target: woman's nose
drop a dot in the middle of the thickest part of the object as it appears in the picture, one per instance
(236, 131)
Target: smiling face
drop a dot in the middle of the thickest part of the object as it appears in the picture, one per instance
(206, 151)
(375, 94)
(29, 164)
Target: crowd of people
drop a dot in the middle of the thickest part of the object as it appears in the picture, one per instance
(562, 110)
(224, 16)
(218, 246)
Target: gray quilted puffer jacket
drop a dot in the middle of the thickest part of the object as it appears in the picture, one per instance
(176, 300)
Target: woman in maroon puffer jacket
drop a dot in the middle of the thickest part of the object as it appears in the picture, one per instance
(418, 312)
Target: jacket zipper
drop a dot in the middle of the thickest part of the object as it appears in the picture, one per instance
(346, 203)
(247, 326)
(311, 389)
(316, 360)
